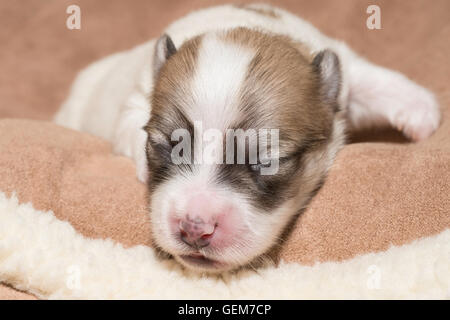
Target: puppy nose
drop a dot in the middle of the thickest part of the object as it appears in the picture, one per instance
(196, 232)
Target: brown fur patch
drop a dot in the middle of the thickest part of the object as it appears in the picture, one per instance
(170, 93)
(282, 90)
(171, 89)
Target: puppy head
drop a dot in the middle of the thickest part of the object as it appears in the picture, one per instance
(242, 131)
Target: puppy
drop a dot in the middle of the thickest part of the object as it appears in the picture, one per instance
(266, 95)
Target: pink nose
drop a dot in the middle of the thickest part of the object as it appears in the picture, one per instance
(198, 225)
(196, 232)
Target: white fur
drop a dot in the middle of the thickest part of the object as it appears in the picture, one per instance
(47, 257)
(381, 97)
(217, 82)
(101, 99)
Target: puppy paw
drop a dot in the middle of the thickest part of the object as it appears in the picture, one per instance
(418, 115)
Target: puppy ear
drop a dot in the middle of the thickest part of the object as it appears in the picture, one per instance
(164, 49)
(327, 65)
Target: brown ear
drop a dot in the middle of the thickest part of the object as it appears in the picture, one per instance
(327, 64)
(164, 49)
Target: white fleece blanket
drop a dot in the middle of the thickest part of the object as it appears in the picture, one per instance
(47, 257)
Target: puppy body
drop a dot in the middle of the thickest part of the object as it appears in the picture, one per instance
(231, 66)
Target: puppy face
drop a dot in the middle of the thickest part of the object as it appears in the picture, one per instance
(242, 131)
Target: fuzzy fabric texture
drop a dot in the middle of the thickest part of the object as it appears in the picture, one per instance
(381, 191)
(47, 257)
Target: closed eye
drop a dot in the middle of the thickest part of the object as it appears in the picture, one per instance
(285, 161)
(257, 167)
(162, 150)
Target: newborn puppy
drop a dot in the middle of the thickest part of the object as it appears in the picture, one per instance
(233, 117)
